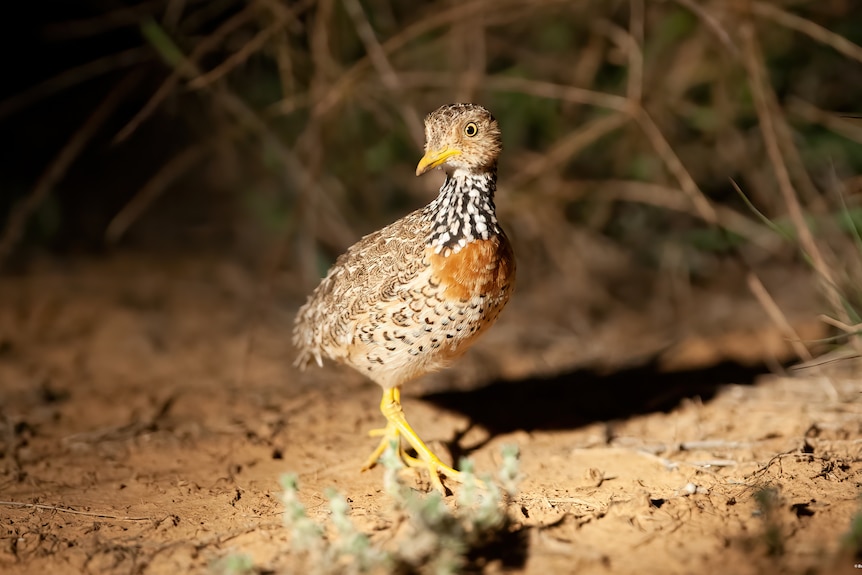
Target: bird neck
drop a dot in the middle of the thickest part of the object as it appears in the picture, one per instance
(463, 211)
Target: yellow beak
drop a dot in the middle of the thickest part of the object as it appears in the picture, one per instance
(434, 158)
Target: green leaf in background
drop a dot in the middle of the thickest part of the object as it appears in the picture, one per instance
(644, 167)
(162, 42)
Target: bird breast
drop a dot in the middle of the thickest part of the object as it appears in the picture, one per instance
(434, 318)
(481, 268)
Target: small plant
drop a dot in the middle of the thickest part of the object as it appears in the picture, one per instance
(769, 502)
(234, 564)
(852, 540)
(440, 538)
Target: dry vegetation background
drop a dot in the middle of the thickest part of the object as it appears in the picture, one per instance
(680, 181)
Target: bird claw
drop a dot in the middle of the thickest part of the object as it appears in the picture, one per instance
(427, 460)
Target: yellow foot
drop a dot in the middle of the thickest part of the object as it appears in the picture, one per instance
(398, 428)
(387, 435)
(436, 470)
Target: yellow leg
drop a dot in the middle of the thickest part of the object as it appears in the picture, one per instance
(386, 434)
(396, 428)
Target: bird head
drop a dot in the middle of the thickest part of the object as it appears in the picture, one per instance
(460, 137)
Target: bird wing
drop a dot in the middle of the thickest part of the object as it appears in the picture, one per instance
(364, 278)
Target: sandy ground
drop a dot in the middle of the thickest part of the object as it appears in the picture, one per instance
(147, 417)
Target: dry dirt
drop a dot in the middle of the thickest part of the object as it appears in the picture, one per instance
(148, 410)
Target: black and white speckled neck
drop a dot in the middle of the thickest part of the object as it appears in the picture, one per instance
(463, 211)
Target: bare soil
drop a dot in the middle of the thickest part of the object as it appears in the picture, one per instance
(149, 408)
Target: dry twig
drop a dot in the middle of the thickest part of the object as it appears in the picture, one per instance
(815, 31)
(155, 186)
(71, 511)
(568, 146)
(384, 68)
(73, 77)
(665, 151)
(753, 59)
(20, 214)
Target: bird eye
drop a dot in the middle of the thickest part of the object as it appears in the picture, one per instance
(471, 129)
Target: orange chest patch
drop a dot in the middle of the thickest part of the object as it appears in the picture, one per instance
(481, 268)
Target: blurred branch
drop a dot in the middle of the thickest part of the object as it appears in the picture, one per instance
(835, 122)
(558, 92)
(670, 199)
(469, 39)
(609, 101)
(758, 80)
(281, 16)
(569, 146)
(202, 48)
(155, 186)
(21, 212)
(239, 57)
(437, 18)
(121, 18)
(284, 63)
(245, 117)
(149, 29)
(780, 321)
(162, 42)
(634, 89)
(384, 68)
(675, 166)
(778, 318)
(627, 44)
(72, 77)
(815, 31)
(712, 23)
(173, 13)
(631, 42)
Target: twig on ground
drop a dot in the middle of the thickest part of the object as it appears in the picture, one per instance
(707, 444)
(127, 431)
(71, 511)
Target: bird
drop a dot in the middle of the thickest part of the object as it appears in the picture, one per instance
(412, 297)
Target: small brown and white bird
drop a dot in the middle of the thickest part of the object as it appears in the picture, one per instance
(410, 298)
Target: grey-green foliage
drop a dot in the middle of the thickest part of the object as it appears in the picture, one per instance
(852, 540)
(234, 564)
(436, 537)
(768, 501)
(306, 535)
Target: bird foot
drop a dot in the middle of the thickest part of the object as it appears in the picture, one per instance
(427, 459)
(388, 435)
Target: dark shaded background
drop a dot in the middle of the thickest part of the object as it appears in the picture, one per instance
(307, 135)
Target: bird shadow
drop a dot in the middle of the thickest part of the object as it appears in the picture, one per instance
(575, 399)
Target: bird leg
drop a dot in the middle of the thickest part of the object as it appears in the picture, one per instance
(396, 428)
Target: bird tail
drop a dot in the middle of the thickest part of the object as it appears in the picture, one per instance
(304, 340)
(304, 358)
